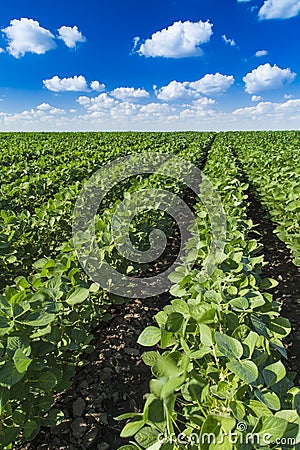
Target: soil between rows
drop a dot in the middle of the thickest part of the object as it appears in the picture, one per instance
(116, 379)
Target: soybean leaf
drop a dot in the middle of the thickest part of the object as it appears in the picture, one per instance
(146, 437)
(79, 295)
(245, 370)
(31, 429)
(270, 399)
(274, 373)
(132, 428)
(150, 358)
(228, 346)
(274, 426)
(174, 322)
(150, 336)
(9, 375)
(5, 325)
(22, 362)
(205, 335)
(38, 319)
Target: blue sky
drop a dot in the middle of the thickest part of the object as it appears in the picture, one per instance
(160, 65)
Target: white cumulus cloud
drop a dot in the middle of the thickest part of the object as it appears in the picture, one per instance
(44, 107)
(210, 84)
(124, 109)
(266, 78)
(279, 9)
(43, 115)
(71, 36)
(125, 93)
(203, 102)
(256, 98)
(182, 39)
(268, 109)
(156, 109)
(99, 103)
(260, 53)
(173, 91)
(96, 86)
(228, 41)
(75, 84)
(27, 36)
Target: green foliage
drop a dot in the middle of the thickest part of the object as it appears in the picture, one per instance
(271, 162)
(48, 306)
(221, 340)
(50, 322)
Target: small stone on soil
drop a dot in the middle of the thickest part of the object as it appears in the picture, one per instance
(79, 407)
(132, 351)
(78, 428)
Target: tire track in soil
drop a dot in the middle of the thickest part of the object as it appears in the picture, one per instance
(115, 379)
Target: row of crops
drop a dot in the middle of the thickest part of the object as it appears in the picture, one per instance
(42, 179)
(220, 340)
(271, 162)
